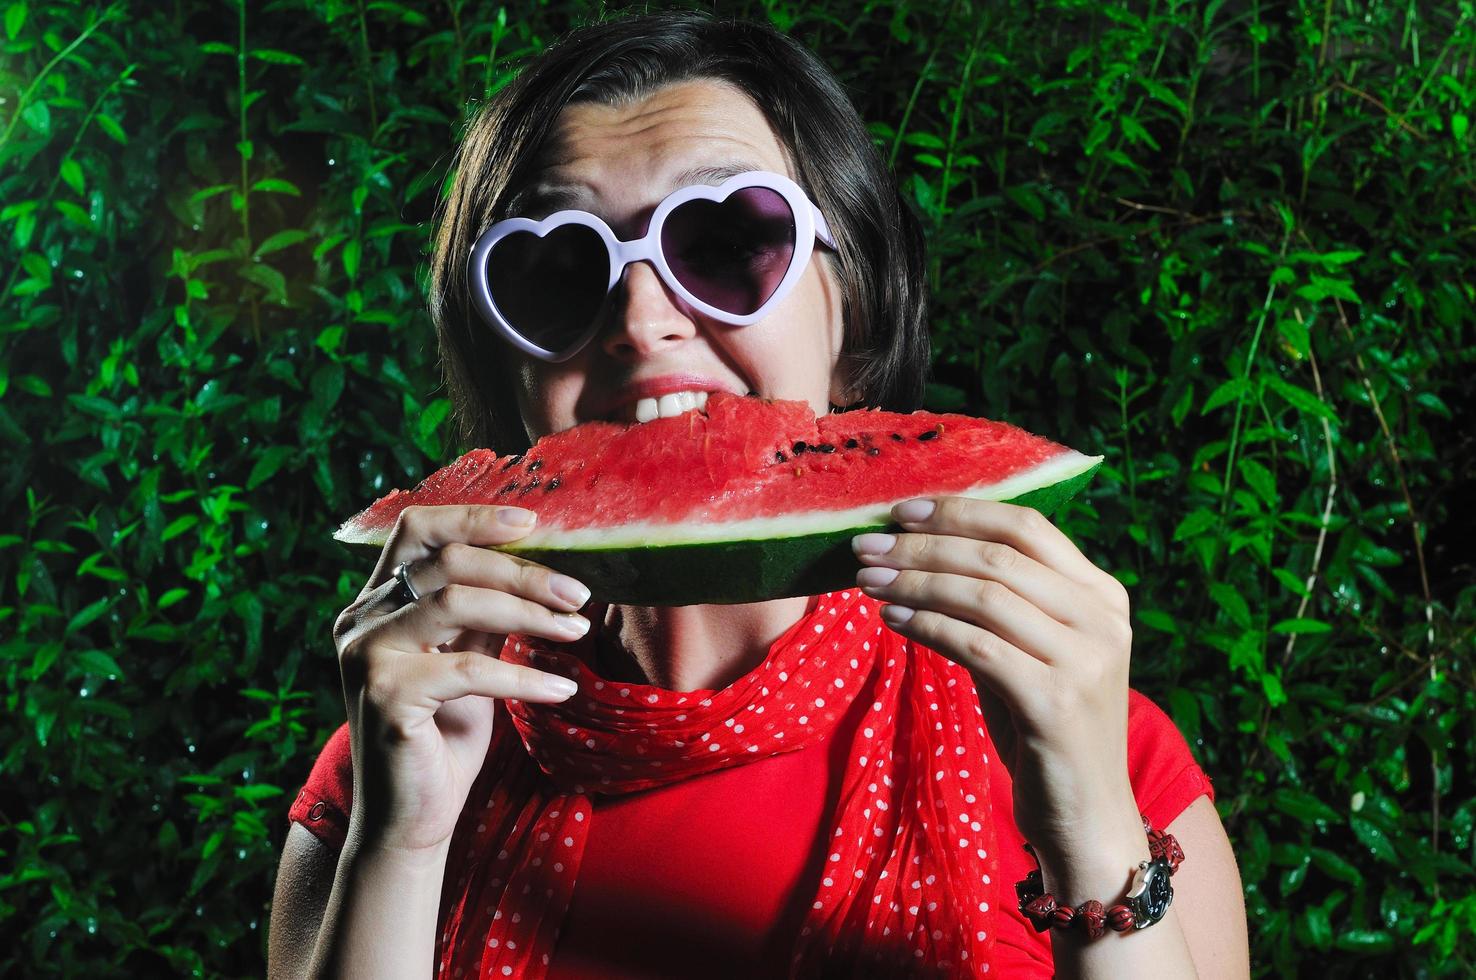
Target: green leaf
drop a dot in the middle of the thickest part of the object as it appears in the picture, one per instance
(110, 126)
(1301, 626)
(71, 173)
(1300, 398)
(1135, 132)
(1195, 524)
(171, 597)
(1230, 600)
(15, 19)
(351, 258)
(1334, 866)
(37, 266)
(98, 662)
(1225, 393)
(274, 282)
(1322, 287)
(1295, 334)
(217, 47)
(1365, 941)
(206, 193)
(275, 57)
(277, 185)
(1159, 620)
(268, 464)
(280, 240)
(1459, 124)
(88, 614)
(1375, 839)
(1303, 806)
(323, 247)
(1099, 132)
(1259, 479)
(38, 116)
(179, 526)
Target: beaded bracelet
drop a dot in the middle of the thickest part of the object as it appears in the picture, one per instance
(1146, 902)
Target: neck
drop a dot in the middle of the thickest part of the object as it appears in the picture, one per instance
(692, 648)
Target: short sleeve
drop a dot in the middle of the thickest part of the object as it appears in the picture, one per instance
(325, 801)
(1165, 777)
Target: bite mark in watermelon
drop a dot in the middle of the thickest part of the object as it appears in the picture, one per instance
(743, 501)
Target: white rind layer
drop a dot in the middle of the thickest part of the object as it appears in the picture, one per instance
(647, 534)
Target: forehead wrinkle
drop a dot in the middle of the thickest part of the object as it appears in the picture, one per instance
(555, 197)
(602, 134)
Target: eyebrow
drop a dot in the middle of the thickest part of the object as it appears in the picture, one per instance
(541, 200)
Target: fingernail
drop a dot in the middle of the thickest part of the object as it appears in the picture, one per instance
(571, 623)
(873, 544)
(896, 615)
(875, 578)
(516, 516)
(570, 590)
(557, 686)
(913, 510)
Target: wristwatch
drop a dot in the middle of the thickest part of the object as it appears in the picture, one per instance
(1151, 892)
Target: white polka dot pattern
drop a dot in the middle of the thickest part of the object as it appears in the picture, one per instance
(906, 889)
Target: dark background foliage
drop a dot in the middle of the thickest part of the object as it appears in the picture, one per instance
(1227, 244)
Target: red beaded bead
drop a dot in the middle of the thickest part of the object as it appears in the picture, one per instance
(1063, 916)
(1121, 918)
(1040, 910)
(1092, 918)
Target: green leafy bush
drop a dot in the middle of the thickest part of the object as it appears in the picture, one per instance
(1228, 245)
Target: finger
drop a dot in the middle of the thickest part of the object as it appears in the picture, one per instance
(979, 602)
(435, 678)
(1055, 594)
(448, 612)
(1022, 528)
(1011, 673)
(421, 530)
(480, 566)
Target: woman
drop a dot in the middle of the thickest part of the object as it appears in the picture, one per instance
(803, 786)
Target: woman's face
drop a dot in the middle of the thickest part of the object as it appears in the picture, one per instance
(618, 163)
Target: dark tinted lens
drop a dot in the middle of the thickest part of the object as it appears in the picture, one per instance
(731, 253)
(551, 288)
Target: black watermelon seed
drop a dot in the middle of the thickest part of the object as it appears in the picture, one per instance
(510, 487)
(872, 451)
(552, 484)
(851, 444)
(531, 484)
(799, 447)
(825, 447)
(512, 461)
(534, 465)
(896, 437)
(927, 435)
(779, 456)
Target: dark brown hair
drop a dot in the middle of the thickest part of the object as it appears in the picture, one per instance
(880, 259)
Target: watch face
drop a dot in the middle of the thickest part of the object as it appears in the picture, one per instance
(1159, 895)
(1152, 893)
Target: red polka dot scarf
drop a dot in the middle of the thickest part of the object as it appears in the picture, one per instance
(907, 889)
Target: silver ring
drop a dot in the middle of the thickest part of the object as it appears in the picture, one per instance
(403, 574)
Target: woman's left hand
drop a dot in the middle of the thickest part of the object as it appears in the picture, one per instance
(1000, 590)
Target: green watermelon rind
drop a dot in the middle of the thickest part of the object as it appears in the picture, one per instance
(740, 571)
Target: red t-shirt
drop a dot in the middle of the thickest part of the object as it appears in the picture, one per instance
(719, 869)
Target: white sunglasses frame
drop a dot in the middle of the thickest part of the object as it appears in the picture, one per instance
(809, 224)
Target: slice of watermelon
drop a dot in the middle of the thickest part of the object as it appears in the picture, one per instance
(745, 500)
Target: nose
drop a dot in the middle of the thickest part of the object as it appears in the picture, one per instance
(646, 317)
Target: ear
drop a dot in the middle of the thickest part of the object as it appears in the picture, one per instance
(842, 388)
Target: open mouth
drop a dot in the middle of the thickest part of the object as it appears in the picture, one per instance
(665, 407)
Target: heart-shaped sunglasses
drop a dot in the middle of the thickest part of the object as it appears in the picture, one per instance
(732, 251)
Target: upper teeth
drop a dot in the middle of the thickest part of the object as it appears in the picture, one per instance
(666, 406)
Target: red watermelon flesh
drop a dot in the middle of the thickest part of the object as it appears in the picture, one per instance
(738, 473)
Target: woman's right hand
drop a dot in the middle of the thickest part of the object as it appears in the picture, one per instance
(418, 677)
